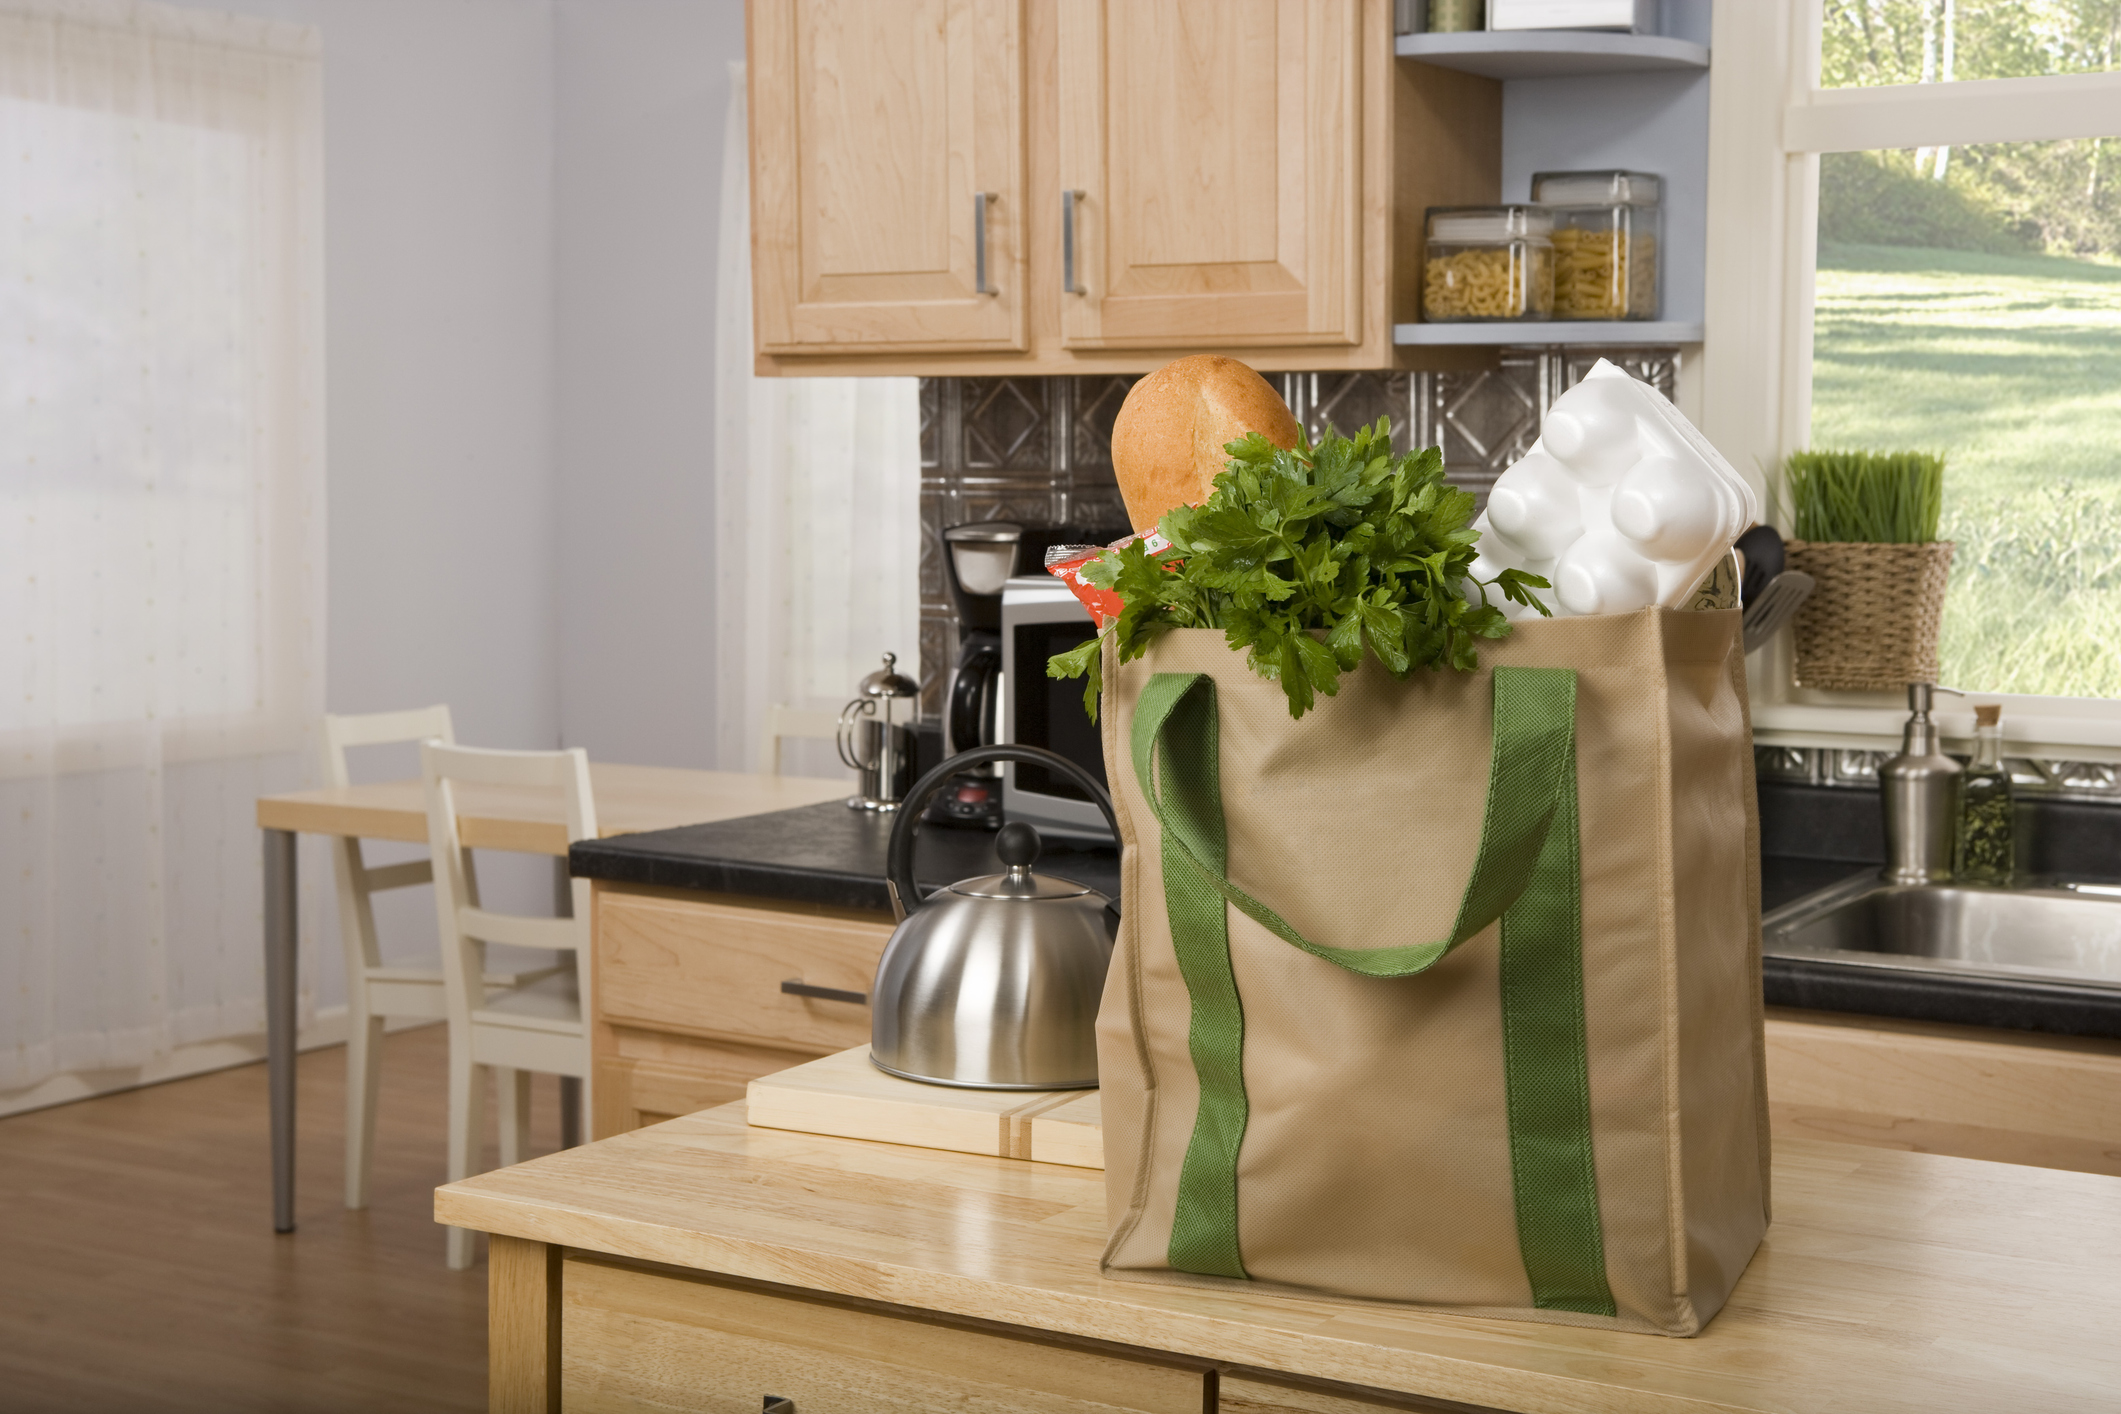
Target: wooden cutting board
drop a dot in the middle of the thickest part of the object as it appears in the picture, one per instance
(845, 1096)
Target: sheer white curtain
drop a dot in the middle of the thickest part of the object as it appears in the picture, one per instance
(817, 515)
(161, 516)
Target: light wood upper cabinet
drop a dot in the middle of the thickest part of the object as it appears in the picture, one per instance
(1216, 146)
(887, 175)
(1175, 176)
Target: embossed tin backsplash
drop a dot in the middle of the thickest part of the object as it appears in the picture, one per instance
(2094, 781)
(1038, 450)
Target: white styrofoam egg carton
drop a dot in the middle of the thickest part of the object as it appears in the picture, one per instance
(1620, 504)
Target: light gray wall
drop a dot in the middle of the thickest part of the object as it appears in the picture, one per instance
(438, 141)
(643, 91)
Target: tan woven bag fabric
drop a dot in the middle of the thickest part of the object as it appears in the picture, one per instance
(1385, 1154)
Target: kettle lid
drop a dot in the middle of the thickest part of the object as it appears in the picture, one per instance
(1018, 846)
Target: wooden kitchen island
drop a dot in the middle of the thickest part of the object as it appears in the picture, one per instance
(702, 1264)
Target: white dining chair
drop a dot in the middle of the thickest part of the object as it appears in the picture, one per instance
(783, 723)
(376, 992)
(538, 1026)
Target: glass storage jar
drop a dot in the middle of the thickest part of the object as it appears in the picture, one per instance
(1607, 230)
(1487, 262)
(1456, 16)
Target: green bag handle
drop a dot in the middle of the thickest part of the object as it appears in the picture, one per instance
(1527, 872)
(1534, 761)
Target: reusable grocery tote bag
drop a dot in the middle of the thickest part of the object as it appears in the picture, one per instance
(1449, 992)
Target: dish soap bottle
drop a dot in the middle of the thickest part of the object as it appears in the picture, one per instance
(1920, 789)
(1985, 855)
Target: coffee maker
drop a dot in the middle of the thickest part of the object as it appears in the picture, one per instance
(979, 557)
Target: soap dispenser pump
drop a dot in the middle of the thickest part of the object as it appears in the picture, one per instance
(1921, 789)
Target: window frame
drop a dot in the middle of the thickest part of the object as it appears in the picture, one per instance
(1769, 123)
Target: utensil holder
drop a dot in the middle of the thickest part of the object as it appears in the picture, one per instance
(1871, 622)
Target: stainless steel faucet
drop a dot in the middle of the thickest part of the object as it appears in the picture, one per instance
(1922, 792)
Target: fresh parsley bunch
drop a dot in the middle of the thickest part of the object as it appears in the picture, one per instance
(1303, 557)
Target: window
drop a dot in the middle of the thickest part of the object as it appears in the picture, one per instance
(159, 320)
(1869, 43)
(1916, 244)
(1978, 314)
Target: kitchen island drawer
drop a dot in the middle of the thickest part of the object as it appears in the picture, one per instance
(1248, 1394)
(716, 969)
(641, 1339)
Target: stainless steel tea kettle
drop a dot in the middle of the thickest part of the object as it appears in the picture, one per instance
(992, 983)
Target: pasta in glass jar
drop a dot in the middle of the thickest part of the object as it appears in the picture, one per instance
(1487, 263)
(1606, 239)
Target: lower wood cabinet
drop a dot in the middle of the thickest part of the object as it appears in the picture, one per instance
(638, 1339)
(688, 998)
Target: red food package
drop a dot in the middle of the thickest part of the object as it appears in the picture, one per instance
(1067, 562)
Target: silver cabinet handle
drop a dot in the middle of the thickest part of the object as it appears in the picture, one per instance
(775, 1404)
(980, 199)
(1068, 284)
(796, 987)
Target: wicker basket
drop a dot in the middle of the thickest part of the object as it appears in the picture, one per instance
(1870, 623)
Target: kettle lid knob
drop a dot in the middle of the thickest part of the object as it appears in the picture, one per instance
(1018, 846)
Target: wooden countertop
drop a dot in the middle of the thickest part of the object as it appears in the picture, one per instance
(628, 799)
(1889, 1281)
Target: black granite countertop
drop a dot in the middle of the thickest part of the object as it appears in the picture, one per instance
(828, 854)
(816, 854)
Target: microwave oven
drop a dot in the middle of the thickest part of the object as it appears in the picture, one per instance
(1041, 617)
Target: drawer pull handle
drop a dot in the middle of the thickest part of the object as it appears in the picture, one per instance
(775, 1404)
(796, 987)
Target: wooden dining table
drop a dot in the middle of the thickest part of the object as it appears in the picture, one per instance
(629, 799)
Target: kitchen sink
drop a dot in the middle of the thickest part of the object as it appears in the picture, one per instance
(2054, 932)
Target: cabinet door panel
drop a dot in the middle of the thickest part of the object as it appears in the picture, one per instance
(636, 1340)
(1218, 148)
(874, 125)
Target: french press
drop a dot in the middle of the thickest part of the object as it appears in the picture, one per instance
(875, 746)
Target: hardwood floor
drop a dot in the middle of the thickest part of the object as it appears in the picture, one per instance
(139, 1270)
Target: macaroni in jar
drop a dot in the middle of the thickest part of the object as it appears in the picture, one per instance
(1605, 243)
(1488, 263)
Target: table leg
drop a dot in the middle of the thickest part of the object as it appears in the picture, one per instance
(570, 1085)
(280, 934)
(570, 1111)
(522, 1326)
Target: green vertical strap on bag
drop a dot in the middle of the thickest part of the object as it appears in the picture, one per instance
(1526, 872)
(1204, 1229)
(1546, 1068)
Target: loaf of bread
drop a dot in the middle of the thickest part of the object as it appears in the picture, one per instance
(1167, 443)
